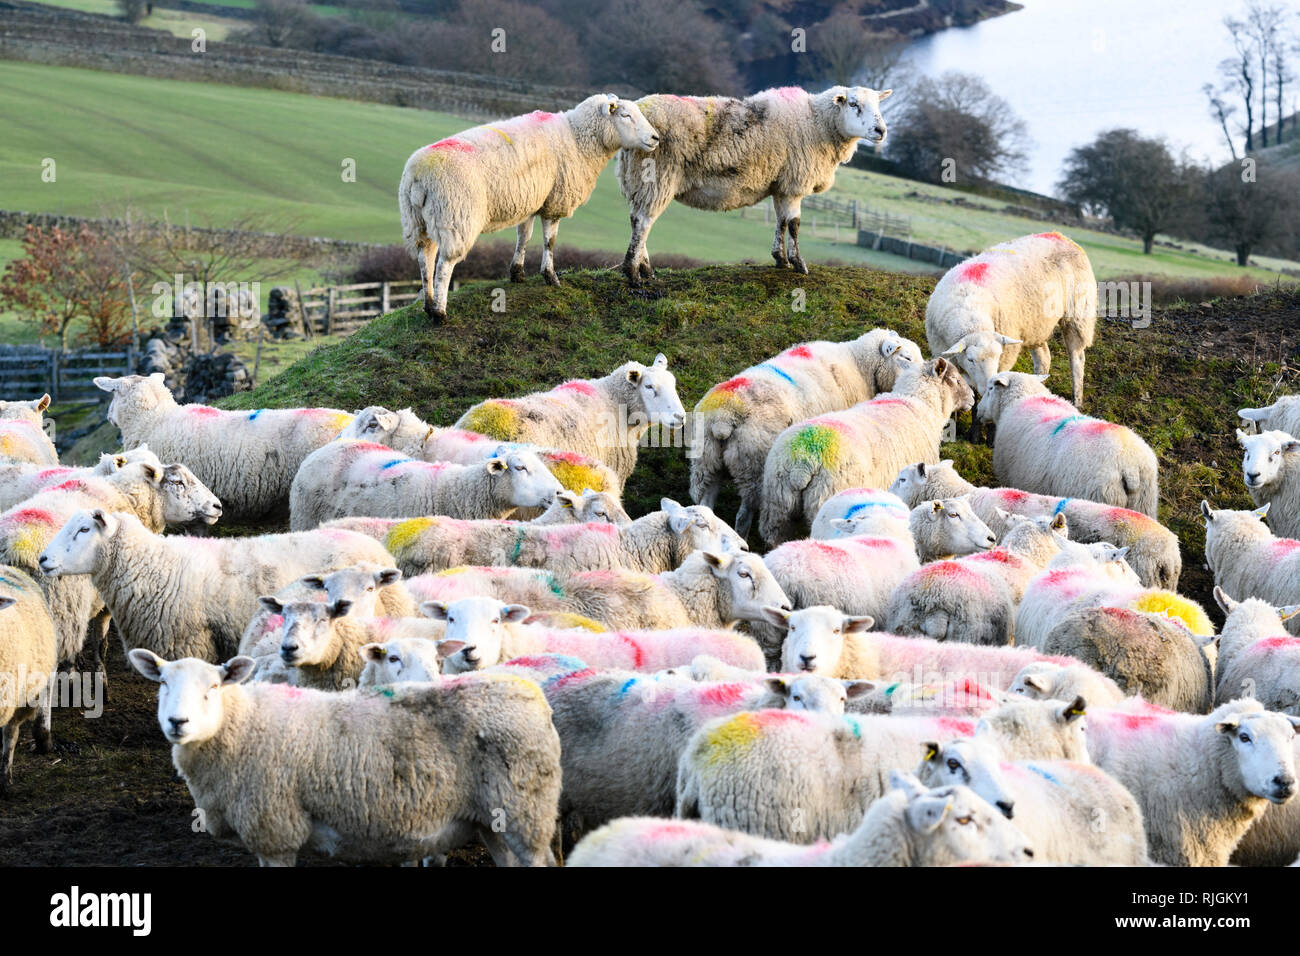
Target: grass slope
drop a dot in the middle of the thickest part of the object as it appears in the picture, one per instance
(1177, 383)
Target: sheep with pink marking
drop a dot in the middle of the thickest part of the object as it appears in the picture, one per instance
(363, 479)
(22, 481)
(1257, 657)
(1249, 561)
(1044, 445)
(248, 459)
(506, 174)
(874, 511)
(864, 446)
(737, 421)
(1153, 550)
(22, 438)
(1012, 295)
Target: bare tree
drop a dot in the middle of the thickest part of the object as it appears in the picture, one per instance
(1281, 76)
(281, 21)
(843, 52)
(1263, 23)
(1221, 111)
(1250, 209)
(1238, 69)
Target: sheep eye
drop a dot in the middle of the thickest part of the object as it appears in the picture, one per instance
(954, 766)
(796, 698)
(1244, 738)
(394, 660)
(964, 820)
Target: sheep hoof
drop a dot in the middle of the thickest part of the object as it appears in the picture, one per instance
(551, 278)
(434, 315)
(630, 270)
(516, 273)
(799, 266)
(780, 260)
(645, 270)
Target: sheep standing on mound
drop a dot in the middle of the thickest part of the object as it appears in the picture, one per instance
(1257, 658)
(27, 661)
(909, 826)
(1282, 416)
(603, 417)
(248, 459)
(722, 153)
(737, 421)
(1248, 561)
(1044, 445)
(1011, 295)
(864, 446)
(1271, 470)
(505, 174)
(362, 776)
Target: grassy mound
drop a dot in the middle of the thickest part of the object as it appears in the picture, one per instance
(1178, 382)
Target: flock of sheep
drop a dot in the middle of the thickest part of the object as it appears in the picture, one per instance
(464, 636)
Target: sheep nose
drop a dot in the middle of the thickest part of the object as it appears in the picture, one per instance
(178, 722)
(288, 651)
(1029, 853)
(806, 663)
(1008, 808)
(1284, 784)
(1252, 477)
(879, 130)
(991, 540)
(785, 606)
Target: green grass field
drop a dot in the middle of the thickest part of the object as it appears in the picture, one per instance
(218, 152)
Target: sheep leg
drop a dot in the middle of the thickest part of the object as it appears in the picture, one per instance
(8, 743)
(778, 241)
(428, 267)
(744, 518)
(792, 220)
(441, 285)
(523, 232)
(1010, 355)
(1074, 345)
(550, 229)
(44, 716)
(1042, 359)
(636, 264)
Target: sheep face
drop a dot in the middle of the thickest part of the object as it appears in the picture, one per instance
(79, 546)
(955, 825)
(1262, 744)
(814, 636)
(978, 356)
(957, 528)
(531, 485)
(858, 112)
(359, 584)
(374, 423)
(1265, 456)
(700, 528)
(25, 411)
(630, 128)
(812, 693)
(602, 508)
(746, 586)
(476, 631)
(184, 497)
(142, 392)
(1052, 729)
(404, 660)
(190, 703)
(656, 393)
(967, 762)
(306, 634)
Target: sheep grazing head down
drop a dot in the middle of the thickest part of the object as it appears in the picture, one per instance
(190, 705)
(476, 630)
(858, 112)
(144, 392)
(814, 636)
(701, 529)
(306, 633)
(656, 394)
(531, 484)
(624, 120)
(1265, 456)
(1262, 748)
(747, 585)
(184, 497)
(79, 546)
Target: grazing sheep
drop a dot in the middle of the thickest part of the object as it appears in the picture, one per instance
(656, 542)
(603, 418)
(1201, 781)
(1071, 812)
(454, 190)
(20, 482)
(737, 421)
(723, 153)
(908, 826)
(1257, 658)
(1152, 548)
(1271, 470)
(27, 661)
(1283, 415)
(193, 595)
(809, 776)
(489, 631)
(1044, 680)
(1249, 562)
(1014, 294)
(1044, 445)
(876, 512)
(974, 599)
(862, 446)
(380, 776)
(357, 478)
(1151, 655)
(248, 459)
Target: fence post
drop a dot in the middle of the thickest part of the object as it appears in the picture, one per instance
(307, 330)
(55, 361)
(383, 305)
(329, 313)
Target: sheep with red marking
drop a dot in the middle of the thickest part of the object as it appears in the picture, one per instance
(1249, 561)
(1257, 657)
(22, 436)
(22, 481)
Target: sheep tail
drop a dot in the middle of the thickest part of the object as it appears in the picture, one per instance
(410, 203)
(783, 489)
(707, 468)
(935, 625)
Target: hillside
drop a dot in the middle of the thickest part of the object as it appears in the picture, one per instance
(1178, 383)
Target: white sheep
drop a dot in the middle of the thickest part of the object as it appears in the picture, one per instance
(863, 446)
(359, 478)
(1200, 780)
(1271, 470)
(21, 442)
(1015, 294)
(193, 595)
(248, 459)
(1283, 415)
(974, 599)
(737, 421)
(24, 411)
(1248, 561)
(1153, 549)
(1045, 680)
(27, 661)
(721, 153)
(20, 482)
(400, 659)
(876, 512)
(1257, 658)
(603, 418)
(504, 174)
(656, 542)
(908, 826)
(488, 631)
(280, 768)
(1044, 445)
(809, 776)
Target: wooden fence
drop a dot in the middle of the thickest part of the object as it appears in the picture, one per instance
(30, 371)
(342, 309)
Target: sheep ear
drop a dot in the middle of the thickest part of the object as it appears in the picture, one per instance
(842, 524)
(1008, 340)
(947, 463)
(840, 99)
(567, 499)
(716, 561)
(1288, 612)
(6, 602)
(147, 663)
(1058, 522)
(955, 349)
(778, 685)
(1001, 380)
(41, 403)
(936, 506)
(907, 782)
(927, 813)
(313, 581)
(1241, 438)
(158, 378)
(1072, 711)
(777, 617)
(884, 94)
(661, 361)
(1206, 510)
(1037, 683)
(1041, 378)
(99, 518)
(856, 624)
(1255, 414)
(1221, 598)
(1291, 446)
(1228, 724)
(387, 576)
(238, 669)
(373, 652)
(339, 608)
(434, 609)
(854, 689)
(119, 461)
(447, 647)
(931, 748)
(634, 376)
(270, 604)
(1121, 553)
(496, 465)
(515, 613)
(152, 475)
(106, 384)
(1262, 513)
